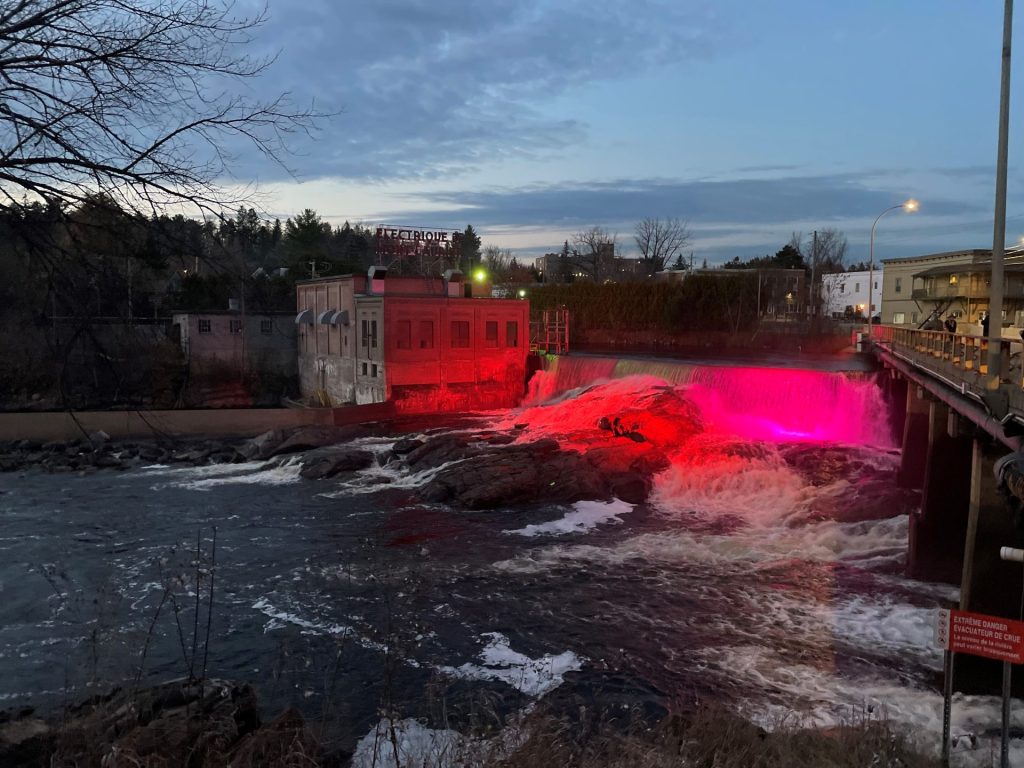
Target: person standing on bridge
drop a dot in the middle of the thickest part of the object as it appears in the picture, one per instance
(984, 324)
(951, 323)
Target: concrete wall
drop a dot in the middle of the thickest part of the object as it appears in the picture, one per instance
(147, 424)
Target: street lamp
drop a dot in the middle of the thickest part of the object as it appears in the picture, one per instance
(910, 206)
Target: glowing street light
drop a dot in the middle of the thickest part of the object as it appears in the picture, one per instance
(522, 293)
(910, 206)
(480, 275)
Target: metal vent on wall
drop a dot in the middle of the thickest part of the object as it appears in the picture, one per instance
(305, 317)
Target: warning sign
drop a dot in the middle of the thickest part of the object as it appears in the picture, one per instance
(980, 635)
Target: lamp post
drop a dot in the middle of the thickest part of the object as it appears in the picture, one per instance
(909, 206)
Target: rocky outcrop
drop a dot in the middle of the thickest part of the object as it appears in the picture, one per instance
(98, 453)
(328, 462)
(281, 441)
(615, 455)
(489, 476)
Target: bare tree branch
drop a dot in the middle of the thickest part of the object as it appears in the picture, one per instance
(659, 240)
(132, 99)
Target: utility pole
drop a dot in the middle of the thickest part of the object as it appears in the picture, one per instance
(814, 263)
(995, 300)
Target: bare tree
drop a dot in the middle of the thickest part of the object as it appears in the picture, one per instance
(659, 240)
(594, 251)
(497, 261)
(130, 99)
(824, 253)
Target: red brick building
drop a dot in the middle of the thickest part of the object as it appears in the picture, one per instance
(425, 344)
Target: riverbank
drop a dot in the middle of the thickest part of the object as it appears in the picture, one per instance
(214, 723)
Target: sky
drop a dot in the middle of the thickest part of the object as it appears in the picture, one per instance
(535, 119)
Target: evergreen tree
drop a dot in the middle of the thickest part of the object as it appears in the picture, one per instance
(470, 244)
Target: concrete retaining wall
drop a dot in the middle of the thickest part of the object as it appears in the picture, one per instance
(146, 424)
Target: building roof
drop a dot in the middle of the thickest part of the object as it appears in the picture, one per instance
(974, 253)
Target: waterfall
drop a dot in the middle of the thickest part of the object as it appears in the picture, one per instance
(780, 404)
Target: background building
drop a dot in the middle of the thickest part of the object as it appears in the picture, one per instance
(953, 282)
(237, 342)
(846, 293)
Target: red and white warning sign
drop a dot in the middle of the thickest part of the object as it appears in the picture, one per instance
(978, 634)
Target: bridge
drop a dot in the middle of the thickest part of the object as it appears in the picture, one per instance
(957, 420)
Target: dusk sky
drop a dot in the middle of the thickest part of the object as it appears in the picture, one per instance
(532, 119)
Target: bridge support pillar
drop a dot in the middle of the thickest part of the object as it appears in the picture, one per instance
(937, 532)
(914, 455)
(989, 584)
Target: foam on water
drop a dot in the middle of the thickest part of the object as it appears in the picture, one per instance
(585, 516)
(534, 677)
(823, 698)
(285, 473)
(415, 744)
(821, 542)
(394, 475)
(280, 617)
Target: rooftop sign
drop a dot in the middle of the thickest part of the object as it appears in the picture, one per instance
(403, 242)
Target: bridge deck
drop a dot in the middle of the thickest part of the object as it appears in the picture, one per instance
(956, 364)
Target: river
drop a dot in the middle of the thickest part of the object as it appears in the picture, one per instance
(765, 573)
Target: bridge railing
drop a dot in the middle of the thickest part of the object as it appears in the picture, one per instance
(960, 356)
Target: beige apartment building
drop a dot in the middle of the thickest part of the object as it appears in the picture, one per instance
(954, 282)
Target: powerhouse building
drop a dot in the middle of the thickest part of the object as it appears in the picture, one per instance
(422, 343)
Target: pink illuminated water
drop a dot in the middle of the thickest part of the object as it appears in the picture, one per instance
(787, 405)
(775, 404)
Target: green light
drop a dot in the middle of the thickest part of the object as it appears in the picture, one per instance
(480, 275)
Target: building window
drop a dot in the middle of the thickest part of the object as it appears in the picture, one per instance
(373, 370)
(426, 334)
(899, 318)
(856, 287)
(266, 327)
(364, 369)
(403, 334)
(204, 326)
(369, 337)
(235, 326)
(913, 317)
(876, 285)
(460, 333)
(899, 286)
(511, 333)
(491, 333)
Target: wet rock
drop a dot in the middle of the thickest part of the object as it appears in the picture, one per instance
(151, 453)
(604, 423)
(406, 445)
(278, 442)
(194, 456)
(98, 439)
(328, 462)
(518, 474)
(440, 450)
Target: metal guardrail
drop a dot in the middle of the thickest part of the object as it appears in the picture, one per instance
(959, 360)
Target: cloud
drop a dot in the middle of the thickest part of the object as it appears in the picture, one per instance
(741, 202)
(429, 88)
